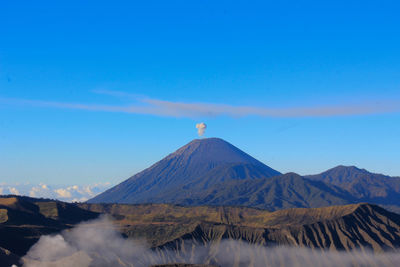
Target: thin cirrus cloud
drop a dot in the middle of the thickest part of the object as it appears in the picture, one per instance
(157, 107)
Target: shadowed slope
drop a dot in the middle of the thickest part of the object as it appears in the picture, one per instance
(285, 191)
(23, 220)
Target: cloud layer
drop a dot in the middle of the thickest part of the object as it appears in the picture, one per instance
(157, 107)
(97, 243)
(68, 193)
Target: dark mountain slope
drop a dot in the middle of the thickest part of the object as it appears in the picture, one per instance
(184, 167)
(363, 185)
(280, 192)
(221, 175)
(227, 173)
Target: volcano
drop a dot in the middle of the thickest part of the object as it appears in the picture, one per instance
(211, 171)
(202, 163)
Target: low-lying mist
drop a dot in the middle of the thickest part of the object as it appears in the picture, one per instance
(98, 243)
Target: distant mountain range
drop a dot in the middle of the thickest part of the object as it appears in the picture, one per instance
(213, 172)
(363, 185)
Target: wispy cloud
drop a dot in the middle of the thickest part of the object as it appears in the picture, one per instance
(157, 107)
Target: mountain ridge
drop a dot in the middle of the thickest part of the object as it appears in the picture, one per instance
(362, 184)
(288, 190)
(212, 171)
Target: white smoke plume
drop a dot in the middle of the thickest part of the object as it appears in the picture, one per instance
(201, 128)
(98, 243)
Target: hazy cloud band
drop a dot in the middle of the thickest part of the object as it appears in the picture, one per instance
(157, 107)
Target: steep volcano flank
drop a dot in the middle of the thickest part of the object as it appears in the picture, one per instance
(191, 162)
(228, 172)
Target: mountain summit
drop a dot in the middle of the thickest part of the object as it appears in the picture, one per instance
(367, 186)
(202, 162)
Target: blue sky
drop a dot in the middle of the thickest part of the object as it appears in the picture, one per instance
(71, 73)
